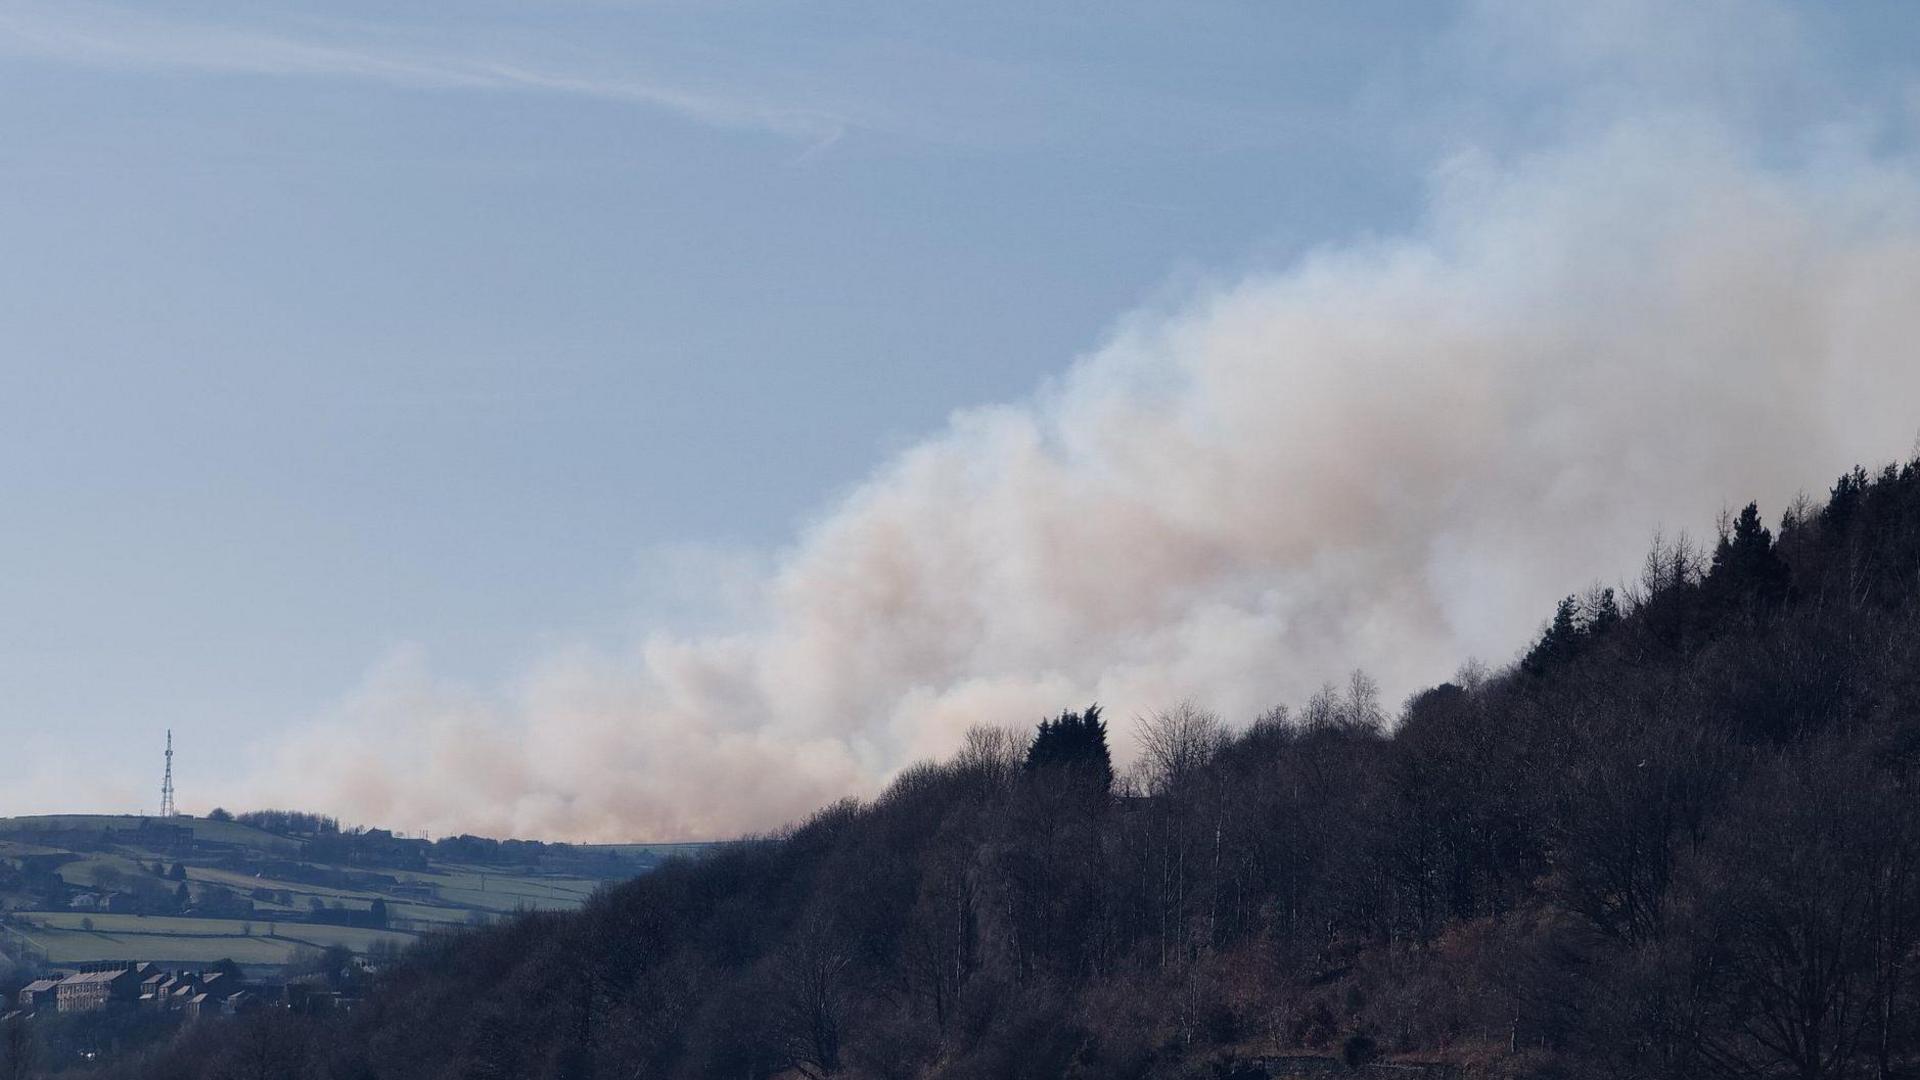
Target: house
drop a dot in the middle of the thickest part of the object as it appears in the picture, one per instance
(168, 989)
(91, 990)
(156, 990)
(153, 989)
(219, 985)
(38, 994)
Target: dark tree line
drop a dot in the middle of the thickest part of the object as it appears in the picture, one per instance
(289, 822)
(1678, 839)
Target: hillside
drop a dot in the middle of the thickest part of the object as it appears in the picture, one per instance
(1677, 839)
(89, 889)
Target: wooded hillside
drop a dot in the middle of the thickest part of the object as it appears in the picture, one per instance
(1678, 839)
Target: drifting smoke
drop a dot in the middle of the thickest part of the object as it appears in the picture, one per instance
(1395, 455)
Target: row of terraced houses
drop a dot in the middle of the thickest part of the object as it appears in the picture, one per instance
(148, 986)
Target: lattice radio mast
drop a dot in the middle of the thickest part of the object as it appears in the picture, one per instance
(166, 785)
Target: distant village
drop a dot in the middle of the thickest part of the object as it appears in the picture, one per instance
(116, 929)
(190, 916)
(220, 989)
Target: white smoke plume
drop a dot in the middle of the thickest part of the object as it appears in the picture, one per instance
(1393, 455)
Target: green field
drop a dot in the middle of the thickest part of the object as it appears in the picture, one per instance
(13, 849)
(245, 883)
(218, 832)
(658, 851)
(87, 871)
(64, 938)
(476, 888)
(431, 916)
(113, 857)
(117, 871)
(62, 947)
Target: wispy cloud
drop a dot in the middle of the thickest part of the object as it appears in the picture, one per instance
(112, 37)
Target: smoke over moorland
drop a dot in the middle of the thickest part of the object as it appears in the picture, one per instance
(1395, 454)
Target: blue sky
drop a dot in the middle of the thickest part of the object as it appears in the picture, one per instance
(335, 331)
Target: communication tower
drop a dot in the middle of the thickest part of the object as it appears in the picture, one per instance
(166, 785)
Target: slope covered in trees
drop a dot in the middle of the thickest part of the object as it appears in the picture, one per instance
(1678, 839)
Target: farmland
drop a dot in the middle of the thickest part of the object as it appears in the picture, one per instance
(72, 938)
(204, 830)
(79, 888)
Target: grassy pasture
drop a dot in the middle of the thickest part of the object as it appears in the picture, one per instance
(85, 870)
(658, 851)
(219, 832)
(481, 879)
(14, 849)
(246, 883)
(64, 937)
(458, 894)
(81, 947)
(477, 888)
(501, 903)
(430, 914)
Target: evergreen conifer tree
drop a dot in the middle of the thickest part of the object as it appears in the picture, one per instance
(1074, 741)
(1603, 613)
(1745, 565)
(1560, 642)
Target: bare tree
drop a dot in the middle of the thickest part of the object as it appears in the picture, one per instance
(268, 1045)
(19, 1053)
(1362, 710)
(991, 754)
(1176, 743)
(1813, 916)
(810, 975)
